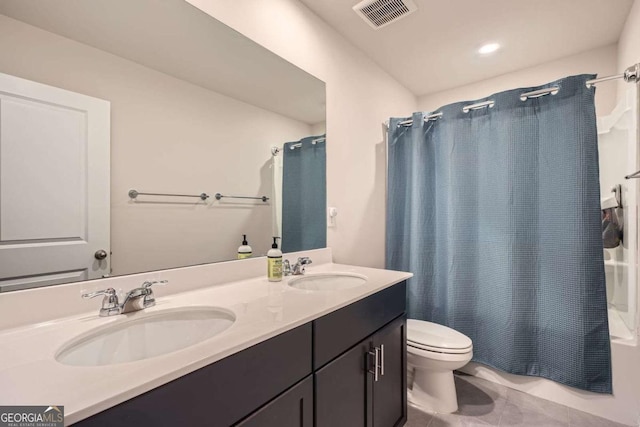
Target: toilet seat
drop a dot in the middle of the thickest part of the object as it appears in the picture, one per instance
(426, 358)
(436, 338)
(439, 349)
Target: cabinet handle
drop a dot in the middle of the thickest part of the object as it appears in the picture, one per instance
(381, 359)
(376, 368)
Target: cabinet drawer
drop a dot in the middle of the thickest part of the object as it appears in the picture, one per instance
(294, 408)
(222, 393)
(338, 331)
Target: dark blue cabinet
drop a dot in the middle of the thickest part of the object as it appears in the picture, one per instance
(349, 391)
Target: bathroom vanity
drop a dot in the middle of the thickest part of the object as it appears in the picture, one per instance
(344, 361)
(296, 354)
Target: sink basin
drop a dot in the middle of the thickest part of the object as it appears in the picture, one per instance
(146, 335)
(328, 281)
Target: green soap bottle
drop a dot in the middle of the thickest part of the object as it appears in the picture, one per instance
(274, 262)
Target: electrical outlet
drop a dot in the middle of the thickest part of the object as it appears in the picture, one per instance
(332, 213)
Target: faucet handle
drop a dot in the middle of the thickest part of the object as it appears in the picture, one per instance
(106, 292)
(110, 304)
(304, 260)
(149, 298)
(148, 284)
(301, 265)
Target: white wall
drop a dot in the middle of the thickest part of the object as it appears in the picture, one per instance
(360, 96)
(318, 128)
(196, 141)
(629, 43)
(601, 61)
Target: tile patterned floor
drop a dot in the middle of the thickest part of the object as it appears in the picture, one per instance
(483, 403)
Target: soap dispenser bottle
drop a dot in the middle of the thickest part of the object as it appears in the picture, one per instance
(274, 262)
(244, 251)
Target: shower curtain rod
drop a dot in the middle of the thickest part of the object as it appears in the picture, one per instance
(275, 150)
(313, 142)
(630, 75)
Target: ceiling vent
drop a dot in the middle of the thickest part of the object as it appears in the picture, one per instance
(379, 13)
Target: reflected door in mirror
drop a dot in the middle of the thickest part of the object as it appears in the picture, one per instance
(54, 185)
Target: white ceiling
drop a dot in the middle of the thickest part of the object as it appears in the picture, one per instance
(435, 48)
(175, 38)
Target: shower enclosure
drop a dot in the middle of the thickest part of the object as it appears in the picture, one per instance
(619, 156)
(617, 145)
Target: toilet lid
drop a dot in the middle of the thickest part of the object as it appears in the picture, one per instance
(423, 334)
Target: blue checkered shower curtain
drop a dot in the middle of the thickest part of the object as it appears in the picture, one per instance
(497, 213)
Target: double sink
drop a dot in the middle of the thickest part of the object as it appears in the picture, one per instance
(145, 335)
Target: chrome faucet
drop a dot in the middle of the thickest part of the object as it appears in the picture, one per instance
(135, 300)
(298, 268)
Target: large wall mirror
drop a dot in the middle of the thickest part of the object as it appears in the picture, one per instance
(145, 135)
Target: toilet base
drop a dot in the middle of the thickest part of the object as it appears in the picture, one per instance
(434, 391)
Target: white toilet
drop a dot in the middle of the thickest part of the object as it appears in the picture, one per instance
(433, 353)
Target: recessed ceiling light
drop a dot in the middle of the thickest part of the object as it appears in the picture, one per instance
(488, 48)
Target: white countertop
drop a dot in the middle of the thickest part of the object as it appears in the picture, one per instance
(30, 375)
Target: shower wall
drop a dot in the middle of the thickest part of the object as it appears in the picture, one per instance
(618, 157)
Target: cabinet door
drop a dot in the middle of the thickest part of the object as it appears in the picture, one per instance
(343, 391)
(294, 408)
(390, 391)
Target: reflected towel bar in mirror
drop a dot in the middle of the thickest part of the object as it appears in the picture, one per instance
(134, 195)
(219, 196)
